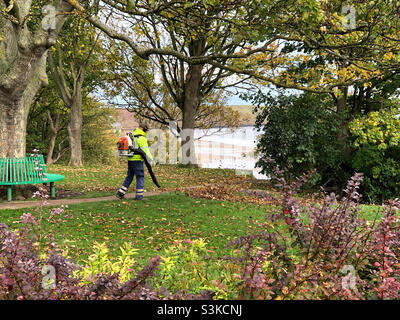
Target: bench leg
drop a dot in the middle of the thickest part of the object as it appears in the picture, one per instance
(9, 193)
(52, 190)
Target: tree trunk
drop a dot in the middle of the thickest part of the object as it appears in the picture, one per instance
(52, 143)
(191, 105)
(54, 127)
(23, 56)
(71, 94)
(343, 122)
(75, 129)
(192, 99)
(13, 117)
(14, 110)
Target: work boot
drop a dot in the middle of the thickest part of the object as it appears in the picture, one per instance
(139, 194)
(120, 195)
(121, 192)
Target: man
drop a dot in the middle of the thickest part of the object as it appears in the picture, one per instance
(135, 163)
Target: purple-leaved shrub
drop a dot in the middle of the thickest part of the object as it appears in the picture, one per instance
(322, 249)
(31, 268)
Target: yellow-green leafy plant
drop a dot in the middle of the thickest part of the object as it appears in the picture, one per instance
(381, 129)
(187, 267)
(376, 143)
(100, 262)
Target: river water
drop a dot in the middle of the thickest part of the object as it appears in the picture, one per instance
(228, 148)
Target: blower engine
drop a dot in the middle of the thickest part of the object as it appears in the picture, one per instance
(125, 146)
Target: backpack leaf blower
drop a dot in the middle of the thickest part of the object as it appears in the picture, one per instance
(126, 149)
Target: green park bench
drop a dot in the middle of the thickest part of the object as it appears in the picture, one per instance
(28, 170)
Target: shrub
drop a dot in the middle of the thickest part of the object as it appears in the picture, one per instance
(306, 250)
(101, 263)
(320, 249)
(187, 268)
(24, 275)
(31, 267)
(376, 138)
(300, 133)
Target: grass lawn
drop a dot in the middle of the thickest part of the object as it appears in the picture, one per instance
(156, 222)
(149, 225)
(95, 181)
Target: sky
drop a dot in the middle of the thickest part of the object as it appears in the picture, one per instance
(236, 101)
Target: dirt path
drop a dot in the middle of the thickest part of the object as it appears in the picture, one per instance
(59, 202)
(66, 201)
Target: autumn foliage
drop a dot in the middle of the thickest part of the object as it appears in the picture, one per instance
(321, 249)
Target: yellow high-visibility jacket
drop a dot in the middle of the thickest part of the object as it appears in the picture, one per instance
(140, 143)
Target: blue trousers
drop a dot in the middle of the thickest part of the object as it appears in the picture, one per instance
(135, 168)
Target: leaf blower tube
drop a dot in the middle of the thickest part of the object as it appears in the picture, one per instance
(148, 165)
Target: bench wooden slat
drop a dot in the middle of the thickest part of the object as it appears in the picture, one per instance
(18, 169)
(8, 170)
(12, 170)
(29, 168)
(34, 170)
(25, 171)
(1, 169)
(21, 169)
(15, 164)
(14, 167)
(10, 178)
(5, 175)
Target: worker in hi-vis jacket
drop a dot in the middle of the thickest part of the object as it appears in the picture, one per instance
(135, 163)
